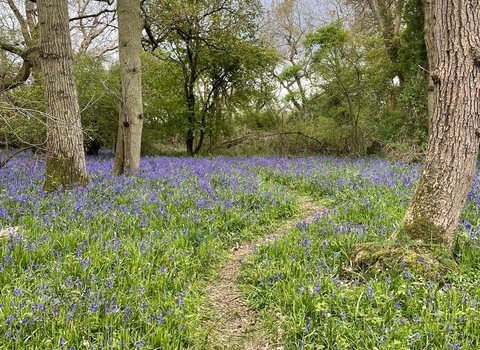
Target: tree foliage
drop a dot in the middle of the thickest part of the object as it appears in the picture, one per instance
(216, 69)
(215, 47)
(97, 88)
(353, 73)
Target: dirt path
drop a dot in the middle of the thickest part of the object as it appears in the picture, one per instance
(235, 326)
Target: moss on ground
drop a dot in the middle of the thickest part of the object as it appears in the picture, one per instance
(420, 259)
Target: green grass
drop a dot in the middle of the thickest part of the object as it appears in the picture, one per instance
(313, 297)
(123, 263)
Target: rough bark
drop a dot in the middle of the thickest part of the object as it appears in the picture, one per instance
(127, 154)
(429, 24)
(451, 158)
(65, 159)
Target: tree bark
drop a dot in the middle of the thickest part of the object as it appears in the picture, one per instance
(65, 158)
(127, 153)
(450, 163)
(191, 120)
(429, 25)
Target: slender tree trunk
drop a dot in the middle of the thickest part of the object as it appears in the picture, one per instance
(65, 157)
(451, 159)
(130, 123)
(190, 139)
(201, 136)
(190, 76)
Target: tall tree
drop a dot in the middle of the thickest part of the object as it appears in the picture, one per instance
(454, 136)
(388, 19)
(216, 47)
(65, 157)
(21, 83)
(130, 122)
(287, 24)
(353, 85)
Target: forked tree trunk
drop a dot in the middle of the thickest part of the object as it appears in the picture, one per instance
(451, 158)
(65, 156)
(129, 138)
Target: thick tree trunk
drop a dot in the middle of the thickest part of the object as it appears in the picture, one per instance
(429, 26)
(127, 152)
(449, 167)
(65, 157)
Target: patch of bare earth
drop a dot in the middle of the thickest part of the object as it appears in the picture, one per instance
(234, 325)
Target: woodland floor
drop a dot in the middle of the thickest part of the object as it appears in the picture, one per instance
(235, 326)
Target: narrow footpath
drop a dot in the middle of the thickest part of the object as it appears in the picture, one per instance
(234, 325)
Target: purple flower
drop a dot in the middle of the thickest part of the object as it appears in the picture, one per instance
(109, 283)
(307, 325)
(9, 320)
(369, 293)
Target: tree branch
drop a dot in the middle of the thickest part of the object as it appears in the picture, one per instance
(91, 15)
(20, 19)
(21, 77)
(12, 49)
(10, 157)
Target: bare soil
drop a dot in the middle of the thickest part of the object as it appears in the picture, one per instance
(234, 325)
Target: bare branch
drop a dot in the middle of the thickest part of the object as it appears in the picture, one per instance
(109, 2)
(106, 49)
(92, 15)
(20, 19)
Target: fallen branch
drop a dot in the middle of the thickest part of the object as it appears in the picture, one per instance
(10, 157)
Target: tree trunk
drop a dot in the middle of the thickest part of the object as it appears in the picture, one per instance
(190, 76)
(65, 157)
(130, 123)
(429, 26)
(451, 158)
(190, 139)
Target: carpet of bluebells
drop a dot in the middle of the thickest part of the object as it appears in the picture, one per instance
(308, 292)
(123, 262)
